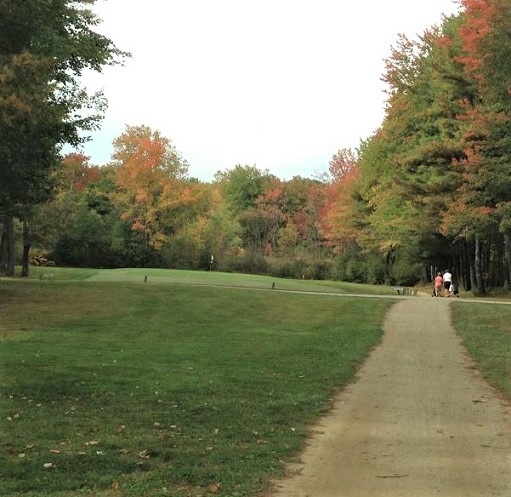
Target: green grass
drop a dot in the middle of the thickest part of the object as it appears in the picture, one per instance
(215, 278)
(60, 273)
(486, 333)
(167, 389)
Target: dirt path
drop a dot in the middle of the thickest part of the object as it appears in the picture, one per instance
(418, 422)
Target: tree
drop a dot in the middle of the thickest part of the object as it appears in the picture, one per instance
(44, 47)
(338, 224)
(222, 232)
(148, 171)
(480, 216)
(407, 180)
(242, 186)
(78, 224)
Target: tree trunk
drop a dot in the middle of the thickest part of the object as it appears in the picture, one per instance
(472, 268)
(507, 251)
(7, 247)
(478, 267)
(465, 264)
(3, 251)
(26, 249)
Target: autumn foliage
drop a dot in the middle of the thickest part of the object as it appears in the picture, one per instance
(430, 189)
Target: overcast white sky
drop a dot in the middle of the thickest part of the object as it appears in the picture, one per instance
(280, 84)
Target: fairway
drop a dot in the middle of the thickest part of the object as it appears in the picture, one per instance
(118, 387)
(214, 278)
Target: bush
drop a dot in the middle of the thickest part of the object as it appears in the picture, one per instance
(285, 268)
(358, 267)
(247, 262)
(405, 273)
(318, 270)
(300, 268)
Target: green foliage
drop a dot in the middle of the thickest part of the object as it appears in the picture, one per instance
(87, 243)
(430, 187)
(355, 266)
(434, 179)
(406, 272)
(248, 261)
(184, 251)
(44, 48)
(285, 267)
(300, 268)
(242, 185)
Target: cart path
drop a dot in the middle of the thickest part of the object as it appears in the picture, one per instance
(418, 422)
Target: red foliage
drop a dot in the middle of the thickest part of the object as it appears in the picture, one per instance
(77, 174)
(479, 15)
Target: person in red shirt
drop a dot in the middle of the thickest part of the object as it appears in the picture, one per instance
(439, 283)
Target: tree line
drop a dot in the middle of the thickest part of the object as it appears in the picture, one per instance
(430, 189)
(434, 181)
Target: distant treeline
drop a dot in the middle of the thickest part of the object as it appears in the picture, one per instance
(429, 190)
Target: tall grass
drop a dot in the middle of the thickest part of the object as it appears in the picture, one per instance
(124, 388)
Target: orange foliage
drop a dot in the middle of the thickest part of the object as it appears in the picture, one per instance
(339, 211)
(478, 25)
(76, 173)
(137, 226)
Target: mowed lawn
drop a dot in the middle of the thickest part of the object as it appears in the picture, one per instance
(125, 388)
(486, 333)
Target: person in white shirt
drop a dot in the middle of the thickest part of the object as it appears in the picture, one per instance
(447, 282)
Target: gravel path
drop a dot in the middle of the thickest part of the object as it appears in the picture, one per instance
(418, 422)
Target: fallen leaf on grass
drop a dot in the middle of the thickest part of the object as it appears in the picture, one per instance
(214, 488)
(186, 491)
(54, 451)
(116, 485)
(143, 454)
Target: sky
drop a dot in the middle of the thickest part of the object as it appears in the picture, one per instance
(277, 84)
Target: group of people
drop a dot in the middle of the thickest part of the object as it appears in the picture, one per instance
(446, 283)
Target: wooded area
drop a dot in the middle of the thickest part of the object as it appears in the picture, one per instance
(431, 189)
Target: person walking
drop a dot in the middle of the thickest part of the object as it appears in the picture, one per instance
(439, 282)
(447, 278)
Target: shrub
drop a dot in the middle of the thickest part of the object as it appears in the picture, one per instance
(247, 262)
(359, 267)
(406, 273)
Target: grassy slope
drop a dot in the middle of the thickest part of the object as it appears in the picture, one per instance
(238, 280)
(166, 389)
